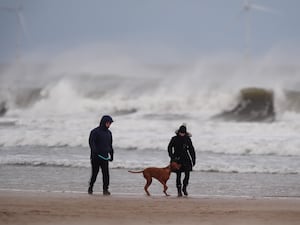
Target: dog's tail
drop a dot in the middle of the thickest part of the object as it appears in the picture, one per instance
(130, 171)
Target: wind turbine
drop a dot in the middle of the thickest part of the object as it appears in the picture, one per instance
(248, 6)
(17, 10)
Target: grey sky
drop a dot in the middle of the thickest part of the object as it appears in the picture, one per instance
(190, 28)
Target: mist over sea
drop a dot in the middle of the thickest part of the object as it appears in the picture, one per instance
(48, 110)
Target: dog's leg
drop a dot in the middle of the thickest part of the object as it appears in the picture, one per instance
(165, 187)
(165, 190)
(149, 181)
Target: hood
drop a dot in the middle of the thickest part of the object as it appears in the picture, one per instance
(104, 120)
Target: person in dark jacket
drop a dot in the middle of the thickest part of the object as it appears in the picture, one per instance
(102, 152)
(181, 150)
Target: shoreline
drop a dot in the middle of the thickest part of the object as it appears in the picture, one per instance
(64, 179)
(142, 194)
(25, 207)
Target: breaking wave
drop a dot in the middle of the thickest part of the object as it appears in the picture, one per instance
(57, 104)
(137, 165)
(202, 86)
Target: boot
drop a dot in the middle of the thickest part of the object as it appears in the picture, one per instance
(90, 190)
(184, 190)
(179, 191)
(106, 192)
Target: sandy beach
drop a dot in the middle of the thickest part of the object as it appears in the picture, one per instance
(79, 208)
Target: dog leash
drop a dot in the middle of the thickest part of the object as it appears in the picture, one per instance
(105, 158)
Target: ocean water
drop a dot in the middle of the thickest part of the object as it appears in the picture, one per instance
(48, 111)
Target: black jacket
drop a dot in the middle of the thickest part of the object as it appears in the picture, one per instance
(100, 141)
(181, 150)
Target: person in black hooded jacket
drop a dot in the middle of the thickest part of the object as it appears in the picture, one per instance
(100, 142)
(181, 150)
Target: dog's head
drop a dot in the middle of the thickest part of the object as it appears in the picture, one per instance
(174, 166)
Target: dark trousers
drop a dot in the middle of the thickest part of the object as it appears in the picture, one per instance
(96, 164)
(185, 180)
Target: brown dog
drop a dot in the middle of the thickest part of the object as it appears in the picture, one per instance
(161, 174)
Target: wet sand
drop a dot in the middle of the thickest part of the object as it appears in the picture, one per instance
(17, 207)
